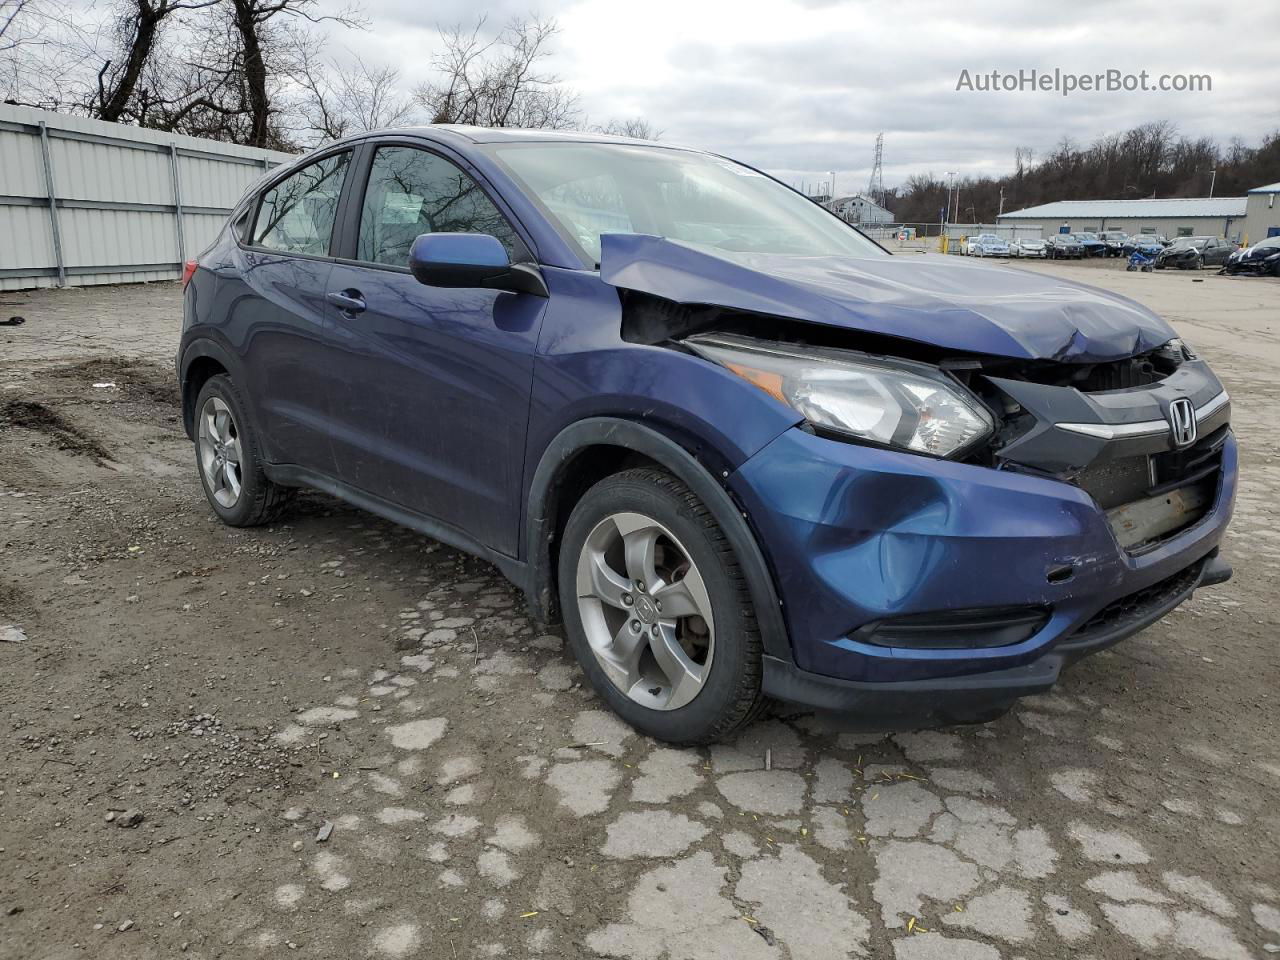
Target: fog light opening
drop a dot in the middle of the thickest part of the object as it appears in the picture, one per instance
(974, 628)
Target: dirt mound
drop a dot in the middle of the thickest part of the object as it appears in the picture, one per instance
(133, 379)
(35, 416)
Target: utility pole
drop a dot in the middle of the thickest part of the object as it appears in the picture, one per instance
(875, 188)
(1212, 180)
(951, 179)
(1001, 203)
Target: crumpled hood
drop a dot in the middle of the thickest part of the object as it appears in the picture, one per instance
(945, 301)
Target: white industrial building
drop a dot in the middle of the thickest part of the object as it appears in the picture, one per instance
(1262, 212)
(1196, 216)
(860, 209)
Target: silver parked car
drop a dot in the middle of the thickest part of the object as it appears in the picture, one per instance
(1028, 248)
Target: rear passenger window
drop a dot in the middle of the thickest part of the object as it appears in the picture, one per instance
(412, 192)
(298, 213)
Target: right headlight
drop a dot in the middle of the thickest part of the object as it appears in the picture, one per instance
(893, 403)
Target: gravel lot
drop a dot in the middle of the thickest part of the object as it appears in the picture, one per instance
(188, 708)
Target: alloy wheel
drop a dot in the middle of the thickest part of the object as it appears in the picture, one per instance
(220, 453)
(645, 611)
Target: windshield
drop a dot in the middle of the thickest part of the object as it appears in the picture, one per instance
(1183, 242)
(589, 189)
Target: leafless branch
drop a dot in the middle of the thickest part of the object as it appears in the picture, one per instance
(498, 82)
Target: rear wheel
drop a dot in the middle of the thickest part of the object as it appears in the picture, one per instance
(657, 610)
(229, 461)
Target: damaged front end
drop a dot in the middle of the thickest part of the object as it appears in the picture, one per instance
(976, 495)
(1082, 414)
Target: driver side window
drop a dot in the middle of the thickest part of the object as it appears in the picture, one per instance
(412, 192)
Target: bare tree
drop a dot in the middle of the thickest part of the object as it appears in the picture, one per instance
(637, 128)
(257, 52)
(41, 54)
(498, 82)
(337, 100)
(138, 25)
(11, 22)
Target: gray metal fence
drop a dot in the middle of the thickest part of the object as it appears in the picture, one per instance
(87, 202)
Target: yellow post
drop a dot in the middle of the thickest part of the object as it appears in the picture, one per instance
(942, 246)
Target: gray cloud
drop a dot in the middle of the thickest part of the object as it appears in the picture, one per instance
(801, 87)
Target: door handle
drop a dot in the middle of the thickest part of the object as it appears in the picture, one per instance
(348, 302)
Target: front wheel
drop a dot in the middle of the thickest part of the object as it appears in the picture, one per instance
(657, 609)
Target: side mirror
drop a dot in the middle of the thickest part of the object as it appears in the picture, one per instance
(471, 260)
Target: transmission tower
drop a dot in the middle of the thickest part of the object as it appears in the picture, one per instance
(875, 189)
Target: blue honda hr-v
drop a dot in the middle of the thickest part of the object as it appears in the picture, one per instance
(737, 448)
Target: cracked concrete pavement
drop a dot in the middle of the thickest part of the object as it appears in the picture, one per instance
(243, 688)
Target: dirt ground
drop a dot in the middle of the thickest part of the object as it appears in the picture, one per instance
(188, 708)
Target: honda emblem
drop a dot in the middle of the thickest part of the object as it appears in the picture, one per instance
(1182, 422)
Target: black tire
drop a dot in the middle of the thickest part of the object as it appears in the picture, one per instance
(260, 500)
(731, 695)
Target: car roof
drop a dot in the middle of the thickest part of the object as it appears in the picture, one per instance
(466, 134)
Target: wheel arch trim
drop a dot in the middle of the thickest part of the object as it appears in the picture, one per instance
(551, 473)
(201, 348)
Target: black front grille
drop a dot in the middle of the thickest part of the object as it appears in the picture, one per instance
(1140, 605)
(1180, 467)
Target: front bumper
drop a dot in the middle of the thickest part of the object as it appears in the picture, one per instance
(857, 535)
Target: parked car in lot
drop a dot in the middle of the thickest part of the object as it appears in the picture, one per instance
(1028, 248)
(1260, 259)
(1114, 240)
(1093, 247)
(1147, 244)
(740, 449)
(1064, 246)
(988, 245)
(1192, 253)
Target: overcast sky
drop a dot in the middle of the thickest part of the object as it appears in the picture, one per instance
(801, 88)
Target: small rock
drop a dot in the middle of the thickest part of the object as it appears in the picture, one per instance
(323, 834)
(130, 818)
(126, 925)
(297, 846)
(14, 910)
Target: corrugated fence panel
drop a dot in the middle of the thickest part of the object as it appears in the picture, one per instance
(199, 229)
(117, 212)
(106, 171)
(215, 183)
(23, 174)
(94, 238)
(29, 240)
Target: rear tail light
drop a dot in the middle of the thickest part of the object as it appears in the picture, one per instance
(188, 269)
